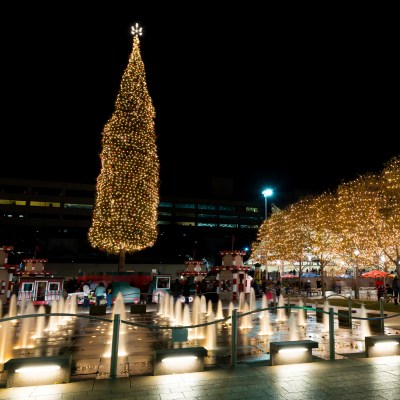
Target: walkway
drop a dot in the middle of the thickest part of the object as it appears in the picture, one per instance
(358, 378)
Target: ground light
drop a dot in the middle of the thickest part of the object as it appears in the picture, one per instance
(38, 371)
(179, 360)
(382, 345)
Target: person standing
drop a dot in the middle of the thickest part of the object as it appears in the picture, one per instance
(100, 293)
(176, 289)
(86, 294)
(395, 286)
(109, 294)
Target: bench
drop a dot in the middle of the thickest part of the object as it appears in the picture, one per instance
(382, 345)
(292, 352)
(179, 361)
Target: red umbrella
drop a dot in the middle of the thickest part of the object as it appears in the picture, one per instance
(289, 276)
(375, 273)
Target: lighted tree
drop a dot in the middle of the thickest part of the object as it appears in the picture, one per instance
(369, 217)
(322, 234)
(127, 189)
(390, 213)
(358, 204)
(298, 231)
(268, 246)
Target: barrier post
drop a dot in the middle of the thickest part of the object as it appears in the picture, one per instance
(350, 315)
(234, 339)
(331, 334)
(114, 346)
(382, 308)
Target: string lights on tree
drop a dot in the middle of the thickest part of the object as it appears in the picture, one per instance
(127, 189)
(363, 214)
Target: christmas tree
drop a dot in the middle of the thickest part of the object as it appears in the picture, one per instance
(127, 189)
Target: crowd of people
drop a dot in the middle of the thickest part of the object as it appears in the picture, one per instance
(389, 291)
(99, 291)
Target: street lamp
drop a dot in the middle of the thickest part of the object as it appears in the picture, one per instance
(267, 192)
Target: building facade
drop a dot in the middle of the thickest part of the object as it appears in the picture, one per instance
(52, 219)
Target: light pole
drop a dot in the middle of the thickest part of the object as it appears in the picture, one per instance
(267, 192)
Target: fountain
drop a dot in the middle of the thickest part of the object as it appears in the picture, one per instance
(211, 341)
(293, 335)
(246, 322)
(254, 334)
(209, 308)
(281, 313)
(119, 308)
(301, 320)
(178, 313)
(203, 301)
(5, 342)
(197, 333)
(220, 314)
(12, 308)
(186, 319)
(40, 322)
(364, 324)
(266, 328)
(26, 328)
(252, 303)
(242, 301)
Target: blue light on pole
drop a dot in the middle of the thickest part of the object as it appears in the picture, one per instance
(267, 192)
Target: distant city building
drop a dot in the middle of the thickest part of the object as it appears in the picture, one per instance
(51, 220)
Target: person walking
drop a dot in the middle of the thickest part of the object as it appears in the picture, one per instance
(395, 287)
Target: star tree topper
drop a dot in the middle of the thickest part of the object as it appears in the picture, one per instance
(136, 30)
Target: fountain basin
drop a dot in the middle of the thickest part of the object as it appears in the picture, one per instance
(179, 360)
(35, 371)
(292, 352)
(382, 345)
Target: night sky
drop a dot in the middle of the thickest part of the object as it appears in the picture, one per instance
(284, 100)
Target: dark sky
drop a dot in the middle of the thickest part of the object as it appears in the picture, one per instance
(298, 102)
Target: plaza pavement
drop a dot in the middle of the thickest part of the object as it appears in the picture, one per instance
(355, 378)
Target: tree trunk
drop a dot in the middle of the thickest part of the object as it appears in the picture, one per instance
(121, 264)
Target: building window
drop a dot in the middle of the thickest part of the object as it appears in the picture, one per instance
(80, 206)
(252, 209)
(189, 215)
(227, 208)
(206, 207)
(228, 225)
(184, 205)
(165, 213)
(186, 223)
(207, 216)
(165, 204)
(228, 217)
(44, 204)
(249, 226)
(210, 225)
(13, 202)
